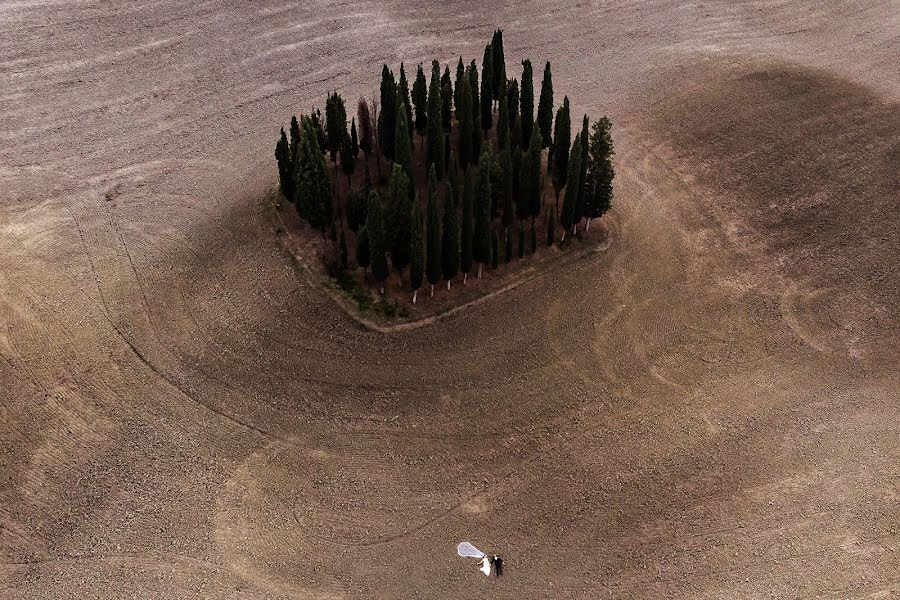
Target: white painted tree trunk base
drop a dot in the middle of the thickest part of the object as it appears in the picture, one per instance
(415, 293)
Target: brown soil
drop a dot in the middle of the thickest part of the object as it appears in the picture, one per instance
(708, 409)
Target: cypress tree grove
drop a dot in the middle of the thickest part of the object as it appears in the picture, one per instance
(476, 112)
(354, 138)
(600, 173)
(434, 143)
(446, 101)
(509, 245)
(567, 218)
(561, 142)
(545, 107)
(535, 184)
(433, 231)
(285, 167)
(521, 240)
(387, 122)
(460, 74)
(450, 237)
(487, 88)
(313, 182)
(402, 147)
(482, 240)
(366, 127)
(403, 94)
(362, 249)
(420, 101)
(375, 233)
(417, 260)
(503, 123)
(396, 228)
(467, 248)
(495, 248)
(551, 227)
(526, 101)
(464, 113)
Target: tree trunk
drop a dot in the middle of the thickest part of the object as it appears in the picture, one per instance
(400, 280)
(574, 229)
(563, 237)
(415, 293)
(432, 290)
(381, 289)
(465, 276)
(480, 265)
(588, 226)
(448, 285)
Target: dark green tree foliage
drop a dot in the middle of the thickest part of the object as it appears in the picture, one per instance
(354, 139)
(526, 102)
(551, 227)
(483, 211)
(366, 127)
(512, 100)
(521, 239)
(535, 184)
(433, 254)
(453, 181)
(397, 225)
(403, 94)
(503, 124)
(545, 107)
(446, 100)
(460, 74)
(499, 64)
(348, 163)
(313, 182)
(521, 183)
(319, 128)
(466, 126)
(387, 121)
(420, 100)
(509, 245)
(533, 238)
(495, 248)
(336, 124)
(582, 176)
(467, 248)
(295, 141)
(434, 144)
(487, 88)
(509, 207)
(342, 252)
(402, 146)
(496, 182)
(285, 166)
(515, 136)
(375, 233)
(567, 217)
(476, 112)
(363, 258)
(561, 141)
(450, 237)
(356, 209)
(600, 174)
(417, 244)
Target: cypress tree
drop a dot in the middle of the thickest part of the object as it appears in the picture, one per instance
(403, 93)
(356, 209)
(503, 124)
(453, 181)
(600, 173)
(460, 74)
(319, 128)
(450, 237)
(561, 143)
(512, 100)
(467, 248)
(526, 101)
(487, 88)
(313, 182)
(464, 114)
(420, 101)
(366, 127)
(522, 185)
(354, 138)
(521, 239)
(387, 121)
(483, 212)
(336, 124)
(535, 184)
(375, 234)
(402, 148)
(509, 245)
(545, 107)
(342, 252)
(582, 175)
(499, 64)
(433, 226)
(397, 226)
(495, 248)
(515, 136)
(362, 249)
(434, 144)
(567, 217)
(446, 101)
(285, 168)
(533, 238)
(417, 260)
(551, 227)
(476, 112)
(509, 207)
(295, 142)
(348, 164)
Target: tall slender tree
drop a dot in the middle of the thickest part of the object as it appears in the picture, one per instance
(348, 163)
(509, 245)
(460, 74)
(487, 88)
(336, 124)
(521, 182)
(467, 247)
(453, 181)
(533, 238)
(446, 102)
(434, 144)
(450, 237)
(387, 122)
(402, 148)
(366, 127)
(495, 248)
(417, 258)
(354, 139)
(483, 212)
(535, 183)
(551, 227)
(433, 231)
(567, 217)
(356, 209)
(314, 194)
(363, 258)
(397, 230)
(522, 239)
(375, 234)
(295, 141)
(526, 102)
(403, 94)
(561, 142)
(580, 207)
(420, 101)
(600, 172)
(285, 167)
(499, 64)
(503, 123)
(509, 207)
(464, 114)
(512, 100)
(545, 107)
(476, 112)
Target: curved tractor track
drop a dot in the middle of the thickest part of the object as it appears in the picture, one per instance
(707, 409)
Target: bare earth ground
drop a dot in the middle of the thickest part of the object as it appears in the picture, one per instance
(707, 410)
